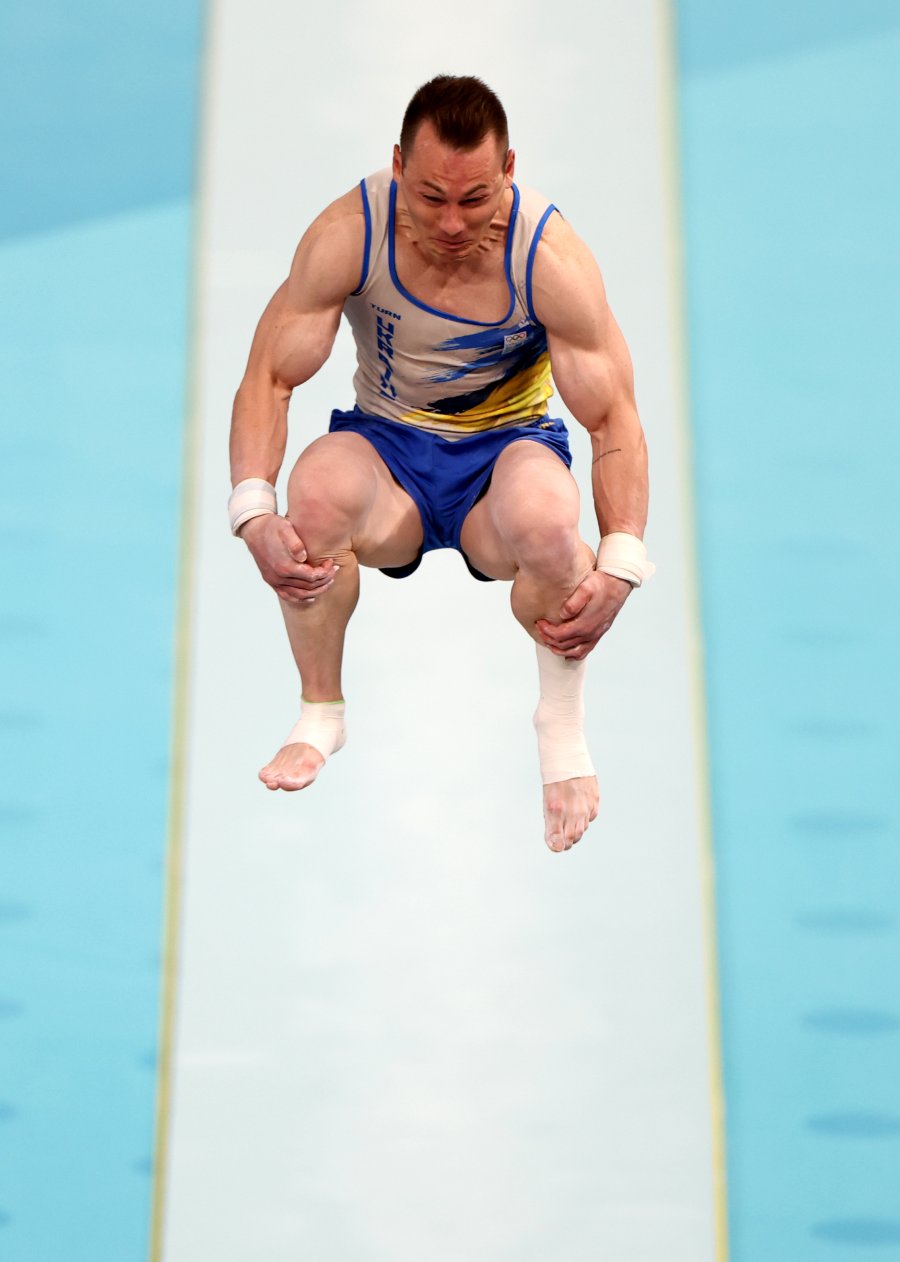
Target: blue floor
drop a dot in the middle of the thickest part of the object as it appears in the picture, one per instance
(94, 266)
(97, 109)
(790, 122)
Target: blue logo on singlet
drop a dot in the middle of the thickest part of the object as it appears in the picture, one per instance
(515, 349)
(384, 336)
(512, 353)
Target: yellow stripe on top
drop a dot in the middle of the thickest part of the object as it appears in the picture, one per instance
(517, 400)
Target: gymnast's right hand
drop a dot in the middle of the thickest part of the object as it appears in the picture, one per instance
(281, 556)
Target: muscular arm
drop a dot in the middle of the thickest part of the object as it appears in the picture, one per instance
(592, 370)
(295, 336)
(292, 342)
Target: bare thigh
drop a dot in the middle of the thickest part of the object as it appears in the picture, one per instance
(532, 503)
(341, 495)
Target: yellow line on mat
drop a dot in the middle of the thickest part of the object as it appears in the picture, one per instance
(671, 179)
(183, 654)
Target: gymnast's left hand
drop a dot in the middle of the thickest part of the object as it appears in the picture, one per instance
(586, 616)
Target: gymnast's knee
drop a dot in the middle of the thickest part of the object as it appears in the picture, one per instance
(549, 549)
(328, 501)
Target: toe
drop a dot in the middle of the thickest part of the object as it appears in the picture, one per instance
(291, 783)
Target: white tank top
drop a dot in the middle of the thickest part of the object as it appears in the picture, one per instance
(445, 372)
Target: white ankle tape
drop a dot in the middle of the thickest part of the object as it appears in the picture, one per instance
(321, 724)
(559, 718)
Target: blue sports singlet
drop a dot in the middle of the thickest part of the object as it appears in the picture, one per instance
(446, 373)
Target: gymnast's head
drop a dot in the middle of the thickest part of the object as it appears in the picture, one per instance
(453, 163)
(462, 110)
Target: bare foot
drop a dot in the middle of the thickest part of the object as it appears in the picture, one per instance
(293, 767)
(569, 806)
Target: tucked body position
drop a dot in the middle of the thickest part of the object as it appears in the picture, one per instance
(463, 290)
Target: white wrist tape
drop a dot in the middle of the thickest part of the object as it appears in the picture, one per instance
(251, 498)
(624, 556)
(321, 724)
(559, 718)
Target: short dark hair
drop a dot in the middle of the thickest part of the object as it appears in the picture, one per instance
(463, 110)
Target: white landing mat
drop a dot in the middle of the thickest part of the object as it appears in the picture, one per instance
(404, 1029)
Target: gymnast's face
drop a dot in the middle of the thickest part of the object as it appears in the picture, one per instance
(452, 195)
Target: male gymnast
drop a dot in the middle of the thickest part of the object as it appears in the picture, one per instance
(461, 290)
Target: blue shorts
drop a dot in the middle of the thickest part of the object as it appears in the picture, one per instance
(444, 477)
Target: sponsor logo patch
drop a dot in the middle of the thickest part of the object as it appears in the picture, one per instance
(512, 340)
